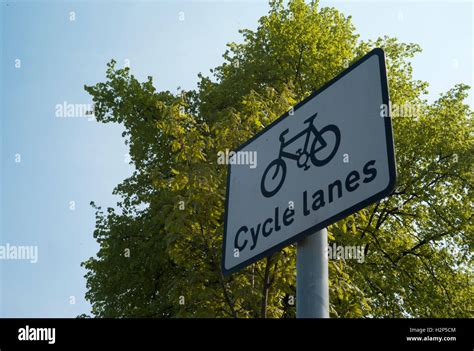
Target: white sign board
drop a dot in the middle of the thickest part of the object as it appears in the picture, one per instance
(328, 157)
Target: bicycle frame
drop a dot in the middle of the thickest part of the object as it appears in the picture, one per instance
(310, 129)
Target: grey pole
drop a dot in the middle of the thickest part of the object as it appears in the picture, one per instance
(312, 290)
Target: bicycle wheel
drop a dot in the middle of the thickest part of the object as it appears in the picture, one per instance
(270, 187)
(335, 141)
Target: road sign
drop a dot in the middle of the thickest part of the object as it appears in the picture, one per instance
(328, 157)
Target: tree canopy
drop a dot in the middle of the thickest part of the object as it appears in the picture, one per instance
(160, 248)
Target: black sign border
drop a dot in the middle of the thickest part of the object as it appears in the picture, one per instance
(380, 195)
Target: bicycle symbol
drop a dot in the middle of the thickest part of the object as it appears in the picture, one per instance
(302, 156)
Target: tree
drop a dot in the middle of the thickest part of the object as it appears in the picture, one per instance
(160, 249)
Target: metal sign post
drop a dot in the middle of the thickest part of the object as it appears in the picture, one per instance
(312, 290)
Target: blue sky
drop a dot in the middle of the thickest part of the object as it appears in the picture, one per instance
(79, 160)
